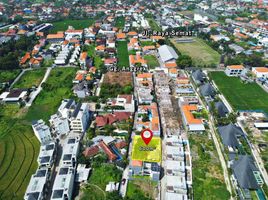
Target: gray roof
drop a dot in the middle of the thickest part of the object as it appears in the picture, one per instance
(229, 135)
(221, 108)
(167, 53)
(207, 90)
(243, 170)
(198, 75)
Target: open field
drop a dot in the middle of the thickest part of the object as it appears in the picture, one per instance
(149, 156)
(19, 149)
(77, 24)
(152, 61)
(57, 87)
(240, 95)
(8, 75)
(122, 54)
(199, 51)
(208, 181)
(141, 189)
(120, 22)
(154, 26)
(30, 78)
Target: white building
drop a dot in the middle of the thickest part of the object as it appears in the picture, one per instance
(235, 70)
(260, 72)
(63, 184)
(66, 107)
(46, 155)
(70, 152)
(70, 34)
(79, 119)
(60, 125)
(41, 131)
(37, 187)
(167, 53)
(125, 101)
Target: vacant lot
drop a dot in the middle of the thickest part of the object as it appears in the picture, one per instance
(152, 61)
(141, 189)
(8, 75)
(30, 78)
(77, 24)
(242, 96)
(120, 22)
(154, 26)
(57, 87)
(122, 54)
(208, 182)
(199, 51)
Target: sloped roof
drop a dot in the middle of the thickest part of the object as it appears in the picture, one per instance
(221, 108)
(229, 133)
(198, 75)
(207, 90)
(243, 170)
(167, 53)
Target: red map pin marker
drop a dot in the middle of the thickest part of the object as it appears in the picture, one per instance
(146, 136)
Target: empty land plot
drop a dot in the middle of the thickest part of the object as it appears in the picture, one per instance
(77, 24)
(30, 78)
(241, 96)
(122, 54)
(199, 51)
(120, 22)
(152, 61)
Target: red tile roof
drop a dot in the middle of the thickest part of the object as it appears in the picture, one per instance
(107, 150)
(91, 151)
(121, 144)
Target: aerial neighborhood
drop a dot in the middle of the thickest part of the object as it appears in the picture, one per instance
(134, 100)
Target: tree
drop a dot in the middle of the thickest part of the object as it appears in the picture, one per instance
(184, 61)
(113, 196)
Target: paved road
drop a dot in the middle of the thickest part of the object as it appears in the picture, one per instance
(217, 145)
(39, 89)
(123, 188)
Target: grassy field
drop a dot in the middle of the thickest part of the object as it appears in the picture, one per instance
(8, 75)
(100, 177)
(120, 22)
(19, 149)
(77, 24)
(240, 95)
(152, 61)
(208, 181)
(122, 54)
(150, 156)
(199, 51)
(30, 78)
(57, 87)
(140, 189)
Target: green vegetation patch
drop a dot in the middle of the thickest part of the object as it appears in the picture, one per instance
(120, 22)
(139, 189)
(8, 75)
(122, 54)
(199, 51)
(77, 24)
(30, 78)
(154, 26)
(57, 87)
(152, 61)
(242, 96)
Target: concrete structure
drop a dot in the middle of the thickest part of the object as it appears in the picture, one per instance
(140, 168)
(41, 131)
(79, 119)
(167, 53)
(235, 70)
(60, 125)
(70, 152)
(260, 72)
(47, 155)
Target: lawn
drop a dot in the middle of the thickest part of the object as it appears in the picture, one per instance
(152, 61)
(241, 96)
(122, 54)
(149, 155)
(208, 181)
(57, 87)
(199, 51)
(147, 43)
(77, 24)
(8, 75)
(120, 22)
(30, 78)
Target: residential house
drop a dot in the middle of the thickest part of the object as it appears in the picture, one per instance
(140, 168)
(260, 72)
(47, 155)
(14, 96)
(221, 109)
(198, 76)
(59, 125)
(235, 70)
(207, 90)
(41, 131)
(70, 152)
(125, 101)
(79, 119)
(55, 38)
